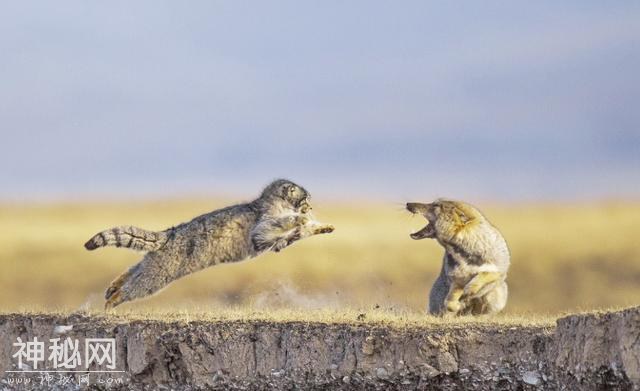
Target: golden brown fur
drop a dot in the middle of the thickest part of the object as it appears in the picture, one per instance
(476, 260)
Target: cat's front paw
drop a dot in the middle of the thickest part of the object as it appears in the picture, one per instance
(302, 219)
(324, 229)
(279, 245)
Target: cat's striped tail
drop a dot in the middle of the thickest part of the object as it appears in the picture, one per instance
(129, 237)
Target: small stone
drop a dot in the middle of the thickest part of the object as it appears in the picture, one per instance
(346, 380)
(430, 371)
(464, 371)
(382, 373)
(446, 362)
(333, 367)
(531, 377)
(368, 346)
(62, 329)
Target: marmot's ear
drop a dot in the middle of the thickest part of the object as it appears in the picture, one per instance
(463, 217)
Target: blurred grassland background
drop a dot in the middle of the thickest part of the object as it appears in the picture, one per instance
(565, 257)
(530, 105)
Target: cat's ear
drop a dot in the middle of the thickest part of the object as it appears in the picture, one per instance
(288, 189)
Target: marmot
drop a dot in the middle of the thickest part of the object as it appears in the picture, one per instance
(474, 268)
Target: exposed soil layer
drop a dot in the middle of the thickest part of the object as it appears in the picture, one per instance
(582, 352)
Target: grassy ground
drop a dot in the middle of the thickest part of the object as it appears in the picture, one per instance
(564, 258)
(371, 316)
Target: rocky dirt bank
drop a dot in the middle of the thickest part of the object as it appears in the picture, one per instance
(593, 351)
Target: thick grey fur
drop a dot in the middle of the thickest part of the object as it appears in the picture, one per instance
(273, 221)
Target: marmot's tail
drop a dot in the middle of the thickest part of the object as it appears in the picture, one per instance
(130, 237)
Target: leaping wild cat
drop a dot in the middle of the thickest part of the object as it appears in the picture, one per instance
(472, 280)
(276, 219)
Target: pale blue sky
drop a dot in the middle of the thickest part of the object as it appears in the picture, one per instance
(391, 100)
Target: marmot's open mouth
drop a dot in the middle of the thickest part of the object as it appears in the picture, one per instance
(426, 232)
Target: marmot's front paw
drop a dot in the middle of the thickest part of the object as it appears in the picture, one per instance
(325, 229)
(473, 288)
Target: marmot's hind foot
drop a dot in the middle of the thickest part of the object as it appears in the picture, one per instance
(453, 307)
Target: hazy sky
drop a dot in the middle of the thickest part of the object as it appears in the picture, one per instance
(392, 100)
